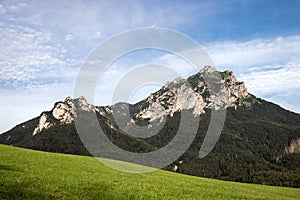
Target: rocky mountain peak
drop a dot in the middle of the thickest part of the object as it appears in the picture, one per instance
(175, 82)
(84, 105)
(237, 89)
(63, 113)
(194, 93)
(230, 77)
(69, 101)
(208, 69)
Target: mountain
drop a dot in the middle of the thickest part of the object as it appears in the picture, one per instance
(259, 143)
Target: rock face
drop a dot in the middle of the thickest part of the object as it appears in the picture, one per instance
(84, 105)
(173, 97)
(194, 93)
(63, 113)
(294, 147)
(43, 124)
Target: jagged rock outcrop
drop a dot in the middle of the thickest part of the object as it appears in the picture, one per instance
(43, 124)
(195, 93)
(173, 97)
(84, 105)
(294, 147)
(63, 113)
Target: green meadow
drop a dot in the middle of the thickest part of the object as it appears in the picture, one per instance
(28, 174)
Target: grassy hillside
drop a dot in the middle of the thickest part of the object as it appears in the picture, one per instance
(28, 174)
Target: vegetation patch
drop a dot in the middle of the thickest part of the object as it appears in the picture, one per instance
(28, 174)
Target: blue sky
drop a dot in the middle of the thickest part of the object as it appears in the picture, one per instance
(44, 43)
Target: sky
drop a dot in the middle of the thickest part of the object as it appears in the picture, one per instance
(44, 44)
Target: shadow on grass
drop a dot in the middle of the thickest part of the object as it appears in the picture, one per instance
(10, 168)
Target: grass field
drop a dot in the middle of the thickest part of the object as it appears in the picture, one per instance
(28, 174)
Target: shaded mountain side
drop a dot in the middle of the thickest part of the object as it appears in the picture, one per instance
(250, 149)
(19, 133)
(65, 139)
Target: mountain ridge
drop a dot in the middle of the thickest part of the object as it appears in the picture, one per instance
(259, 142)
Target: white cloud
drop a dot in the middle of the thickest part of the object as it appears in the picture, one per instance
(254, 53)
(69, 37)
(29, 55)
(279, 79)
(105, 17)
(34, 73)
(266, 65)
(279, 84)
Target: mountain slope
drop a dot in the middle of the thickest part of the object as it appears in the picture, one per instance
(27, 174)
(259, 142)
